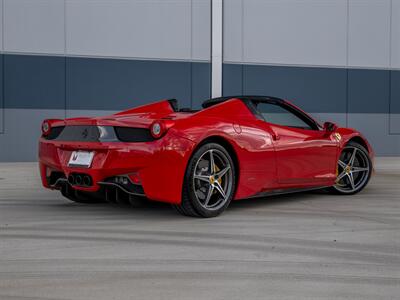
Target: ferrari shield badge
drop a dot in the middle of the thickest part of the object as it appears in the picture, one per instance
(337, 136)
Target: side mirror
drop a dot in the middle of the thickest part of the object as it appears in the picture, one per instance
(330, 127)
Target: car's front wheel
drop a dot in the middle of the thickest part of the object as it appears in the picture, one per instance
(354, 170)
(209, 183)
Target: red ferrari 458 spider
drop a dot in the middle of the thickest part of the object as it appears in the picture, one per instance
(233, 148)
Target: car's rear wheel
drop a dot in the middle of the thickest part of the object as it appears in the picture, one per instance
(209, 183)
(354, 170)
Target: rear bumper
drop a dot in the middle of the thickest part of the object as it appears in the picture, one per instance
(160, 165)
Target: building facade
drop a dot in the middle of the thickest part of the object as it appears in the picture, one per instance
(337, 59)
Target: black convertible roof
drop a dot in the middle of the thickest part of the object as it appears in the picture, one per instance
(213, 101)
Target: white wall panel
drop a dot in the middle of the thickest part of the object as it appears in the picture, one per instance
(34, 26)
(369, 33)
(201, 31)
(395, 51)
(131, 28)
(1, 26)
(232, 36)
(1, 70)
(295, 32)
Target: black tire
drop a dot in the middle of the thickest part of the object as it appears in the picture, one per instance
(79, 196)
(191, 205)
(340, 190)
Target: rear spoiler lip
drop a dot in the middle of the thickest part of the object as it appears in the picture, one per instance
(164, 106)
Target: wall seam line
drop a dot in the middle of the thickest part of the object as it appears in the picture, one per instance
(390, 65)
(347, 60)
(3, 101)
(222, 49)
(191, 54)
(3, 94)
(241, 41)
(65, 58)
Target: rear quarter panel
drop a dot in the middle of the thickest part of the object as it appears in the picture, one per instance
(252, 146)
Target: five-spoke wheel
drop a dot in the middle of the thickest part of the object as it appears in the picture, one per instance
(212, 179)
(209, 182)
(354, 169)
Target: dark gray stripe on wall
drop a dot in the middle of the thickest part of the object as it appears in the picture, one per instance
(331, 90)
(395, 93)
(51, 82)
(232, 79)
(34, 82)
(368, 91)
(1, 95)
(201, 83)
(118, 84)
(313, 89)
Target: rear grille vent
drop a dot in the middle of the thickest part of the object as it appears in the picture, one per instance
(80, 133)
(133, 135)
(90, 133)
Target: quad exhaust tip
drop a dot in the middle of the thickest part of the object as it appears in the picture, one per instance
(80, 180)
(71, 179)
(87, 180)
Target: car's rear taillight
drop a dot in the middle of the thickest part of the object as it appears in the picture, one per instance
(49, 125)
(46, 127)
(160, 127)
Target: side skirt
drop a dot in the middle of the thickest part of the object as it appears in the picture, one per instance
(286, 191)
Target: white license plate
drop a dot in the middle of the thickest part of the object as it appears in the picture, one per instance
(81, 159)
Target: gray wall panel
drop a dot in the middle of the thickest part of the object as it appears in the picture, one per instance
(233, 29)
(1, 25)
(369, 33)
(395, 92)
(74, 113)
(34, 26)
(375, 127)
(287, 31)
(232, 79)
(201, 29)
(1, 95)
(314, 89)
(355, 33)
(22, 130)
(51, 82)
(395, 124)
(201, 84)
(395, 103)
(338, 118)
(395, 28)
(34, 82)
(118, 84)
(368, 91)
(142, 29)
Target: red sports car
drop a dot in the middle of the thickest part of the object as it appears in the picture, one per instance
(234, 148)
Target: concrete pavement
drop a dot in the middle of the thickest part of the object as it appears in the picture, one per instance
(300, 246)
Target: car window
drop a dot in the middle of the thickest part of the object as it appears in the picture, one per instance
(276, 114)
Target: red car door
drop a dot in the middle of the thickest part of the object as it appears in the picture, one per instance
(305, 153)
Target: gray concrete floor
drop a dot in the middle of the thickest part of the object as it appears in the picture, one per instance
(303, 246)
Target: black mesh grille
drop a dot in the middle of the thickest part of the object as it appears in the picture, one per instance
(54, 132)
(81, 133)
(89, 133)
(132, 135)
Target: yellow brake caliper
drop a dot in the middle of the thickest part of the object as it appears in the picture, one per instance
(216, 169)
